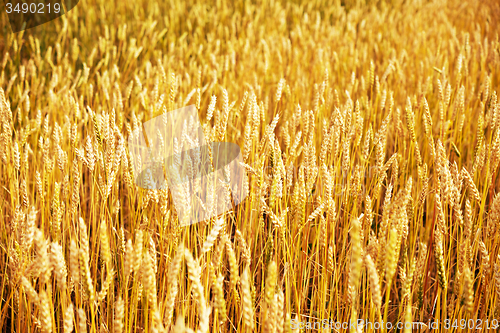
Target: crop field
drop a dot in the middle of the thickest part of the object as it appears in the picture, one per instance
(369, 134)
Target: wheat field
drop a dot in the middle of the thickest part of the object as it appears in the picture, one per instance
(370, 134)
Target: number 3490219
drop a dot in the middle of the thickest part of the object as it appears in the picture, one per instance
(33, 8)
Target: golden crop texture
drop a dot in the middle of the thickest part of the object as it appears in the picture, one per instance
(370, 133)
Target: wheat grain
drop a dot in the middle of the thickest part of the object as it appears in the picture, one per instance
(30, 291)
(68, 318)
(59, 265)
(468, 290)
(45, 312)
(220, 303)
(439, 257)
(82, 321)
(209, 242)
(374, 283)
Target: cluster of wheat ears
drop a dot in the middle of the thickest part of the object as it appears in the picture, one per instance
(370, 133)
